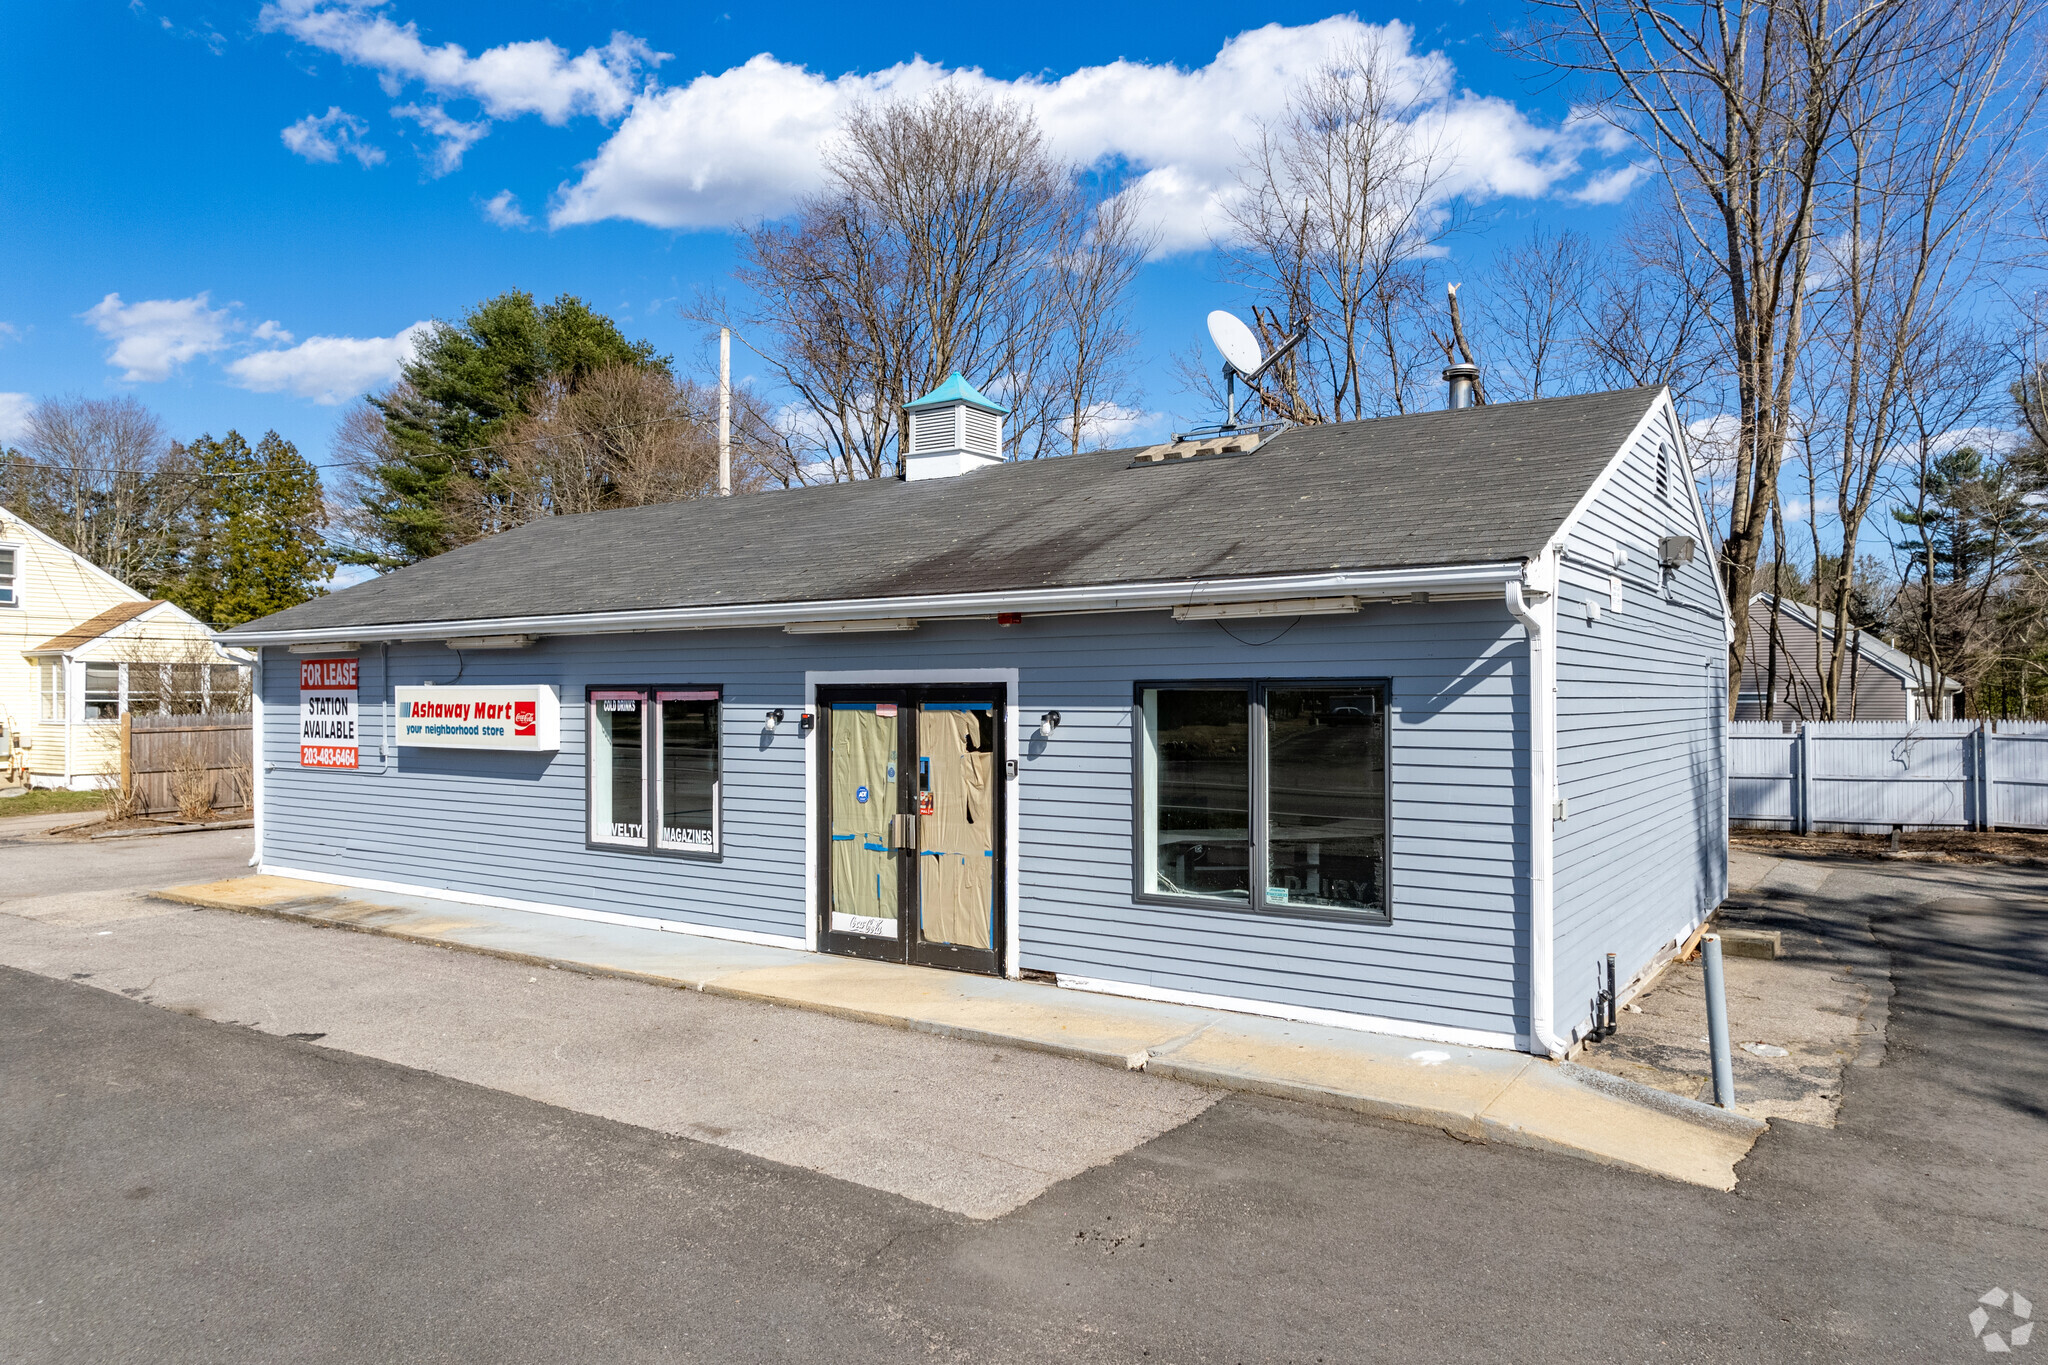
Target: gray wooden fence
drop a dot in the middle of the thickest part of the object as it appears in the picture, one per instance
(1873, 775)
(162, 754)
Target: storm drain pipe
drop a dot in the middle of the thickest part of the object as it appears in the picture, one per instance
(1542, 747)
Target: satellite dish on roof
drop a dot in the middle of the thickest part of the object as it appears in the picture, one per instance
(1242, 359)
(1236, 341)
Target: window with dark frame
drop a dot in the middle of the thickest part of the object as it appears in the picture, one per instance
(687, 768)
(654, 769)
(1278, 785)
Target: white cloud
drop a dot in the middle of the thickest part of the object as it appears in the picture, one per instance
(326, 137)
(155, 336)
(503, 209)
(13, 416)
(272, 331)
(328, 370)
(1112, 424)
(9, 332)
(512, 79)
(746, 142)
(1610, 187)
(456, 136)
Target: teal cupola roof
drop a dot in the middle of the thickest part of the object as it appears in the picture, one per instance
(954, 429)
(957, 390)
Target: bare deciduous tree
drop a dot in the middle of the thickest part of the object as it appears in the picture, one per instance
(1340, 204)
(624, 437)
(101, 478)
(949, 238)
(1740, 104)
(1928, 136)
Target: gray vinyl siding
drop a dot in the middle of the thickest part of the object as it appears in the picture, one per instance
(1642, 853)
(1876, 694)
(513, 825)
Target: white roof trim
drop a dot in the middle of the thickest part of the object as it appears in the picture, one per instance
(1660, 406)
(15, 519)
(205, 633)
(1466, 579)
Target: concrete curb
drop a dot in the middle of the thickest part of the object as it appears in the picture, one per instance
(174, 829)
(1711, 1116)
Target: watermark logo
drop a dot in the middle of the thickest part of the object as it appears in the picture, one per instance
(2002, 1321)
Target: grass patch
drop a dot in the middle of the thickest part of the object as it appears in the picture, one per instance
(46, 802)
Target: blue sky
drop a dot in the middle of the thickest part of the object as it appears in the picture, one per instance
(233, 210)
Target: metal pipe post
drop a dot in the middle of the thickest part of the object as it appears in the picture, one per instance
(1613, 1000)
(1717, 1022)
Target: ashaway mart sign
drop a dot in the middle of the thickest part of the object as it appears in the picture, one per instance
(527, 718)
(327, 713)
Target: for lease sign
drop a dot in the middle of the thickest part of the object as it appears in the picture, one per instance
(327, 713)
(526, 718)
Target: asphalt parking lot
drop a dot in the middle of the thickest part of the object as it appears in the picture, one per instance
(185, 1187)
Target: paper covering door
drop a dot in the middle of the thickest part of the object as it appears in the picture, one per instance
(956, 824)
(865, 876)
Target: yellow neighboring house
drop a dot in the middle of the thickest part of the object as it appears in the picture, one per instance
(78, 649)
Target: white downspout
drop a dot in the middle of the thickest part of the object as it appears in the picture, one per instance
(256, 759)
(1542, 807)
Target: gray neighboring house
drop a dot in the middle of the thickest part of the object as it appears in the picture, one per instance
(1399, 724)
(1879, 682)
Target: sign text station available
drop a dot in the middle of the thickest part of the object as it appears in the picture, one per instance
(327, 713)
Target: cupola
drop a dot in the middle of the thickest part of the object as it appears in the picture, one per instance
(951, 430)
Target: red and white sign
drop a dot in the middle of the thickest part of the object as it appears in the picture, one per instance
(327, 713)
(526, 718)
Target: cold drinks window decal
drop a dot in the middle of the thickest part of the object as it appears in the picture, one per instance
(654, 768)
(1278, 786)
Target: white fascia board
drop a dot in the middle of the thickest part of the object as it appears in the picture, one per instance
(90, 568)
(1660, 406)
(1449, 580)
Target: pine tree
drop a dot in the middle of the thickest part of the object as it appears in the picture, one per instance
(256, 544)
(466, 384)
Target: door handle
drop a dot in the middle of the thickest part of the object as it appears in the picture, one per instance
(905, 834)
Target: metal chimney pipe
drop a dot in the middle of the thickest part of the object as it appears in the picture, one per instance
(1461, 378)
(725, 412)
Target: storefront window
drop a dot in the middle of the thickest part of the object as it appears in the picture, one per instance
(689, 770)
(1198, 755)
(1279, 785)
(654, 768)
(618, 788)
(1326, 780)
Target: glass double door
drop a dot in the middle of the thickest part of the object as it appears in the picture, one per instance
(912, 813)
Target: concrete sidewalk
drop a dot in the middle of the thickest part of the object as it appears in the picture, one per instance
(1472, 1093)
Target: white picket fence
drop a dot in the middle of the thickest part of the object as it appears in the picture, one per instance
(1874, 775)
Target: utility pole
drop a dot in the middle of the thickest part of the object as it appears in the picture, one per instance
(725, 412)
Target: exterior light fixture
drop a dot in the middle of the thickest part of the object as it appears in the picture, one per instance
(774, 719)
(1048, 723)
(491, 641)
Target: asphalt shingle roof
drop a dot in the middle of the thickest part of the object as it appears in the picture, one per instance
(1481, 485)
(90, 629)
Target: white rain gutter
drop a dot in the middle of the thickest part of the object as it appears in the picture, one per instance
(256, 761)
(1462, 580)
(1543, 1039)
